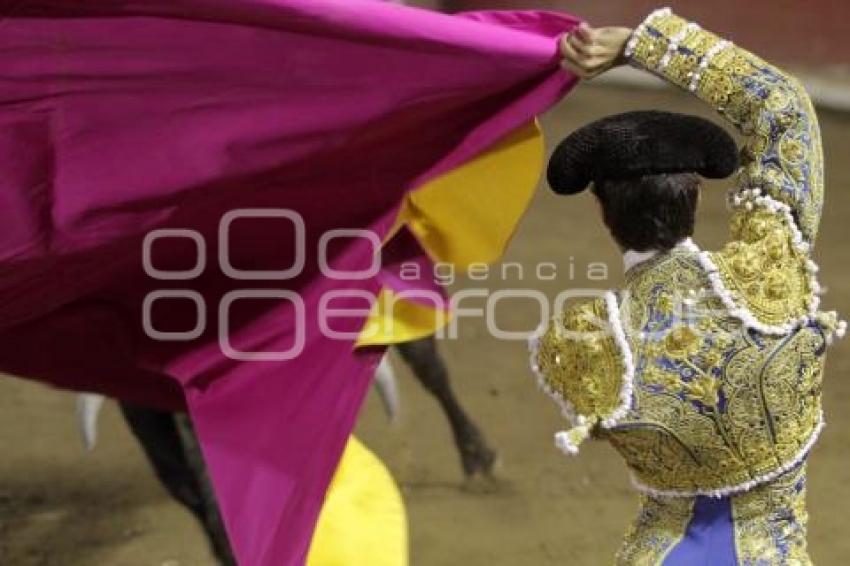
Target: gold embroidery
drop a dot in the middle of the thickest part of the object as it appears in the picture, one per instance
(770, 523)
(763, 268)
(784, 155)
(659, 526)
(580, 361)
(719, 400)
(714, 405)
(703, 389)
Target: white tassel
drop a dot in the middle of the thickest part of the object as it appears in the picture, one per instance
(565, 444)
(567, 409)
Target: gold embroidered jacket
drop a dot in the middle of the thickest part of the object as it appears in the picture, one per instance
(705, 371)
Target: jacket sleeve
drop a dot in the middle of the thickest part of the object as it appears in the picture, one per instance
(765, 274)
(782, 157)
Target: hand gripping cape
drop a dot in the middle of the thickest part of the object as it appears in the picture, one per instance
(170, 176)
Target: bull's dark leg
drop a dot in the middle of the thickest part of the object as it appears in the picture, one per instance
(424, 360)
(173, 452)
(157, 433)
(213, 523)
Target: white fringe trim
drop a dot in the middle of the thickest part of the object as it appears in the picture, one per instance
(741, 487)
(706, 61)
(673, 46)
(631, 45)
(750, 199)
(627, 385)
(742, 313)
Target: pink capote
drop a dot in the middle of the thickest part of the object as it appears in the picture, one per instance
(119, 117)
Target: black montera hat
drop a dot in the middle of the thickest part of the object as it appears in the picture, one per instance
(641, 143)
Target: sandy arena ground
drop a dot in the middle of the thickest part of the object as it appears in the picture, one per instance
(60, 506)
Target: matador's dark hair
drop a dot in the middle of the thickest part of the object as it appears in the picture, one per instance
(653, 212)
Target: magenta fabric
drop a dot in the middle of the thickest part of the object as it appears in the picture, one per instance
(410, 273)
(121, 117)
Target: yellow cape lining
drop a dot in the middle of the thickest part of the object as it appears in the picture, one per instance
(465, 216)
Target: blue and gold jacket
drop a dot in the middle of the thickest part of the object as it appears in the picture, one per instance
(705, 370)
